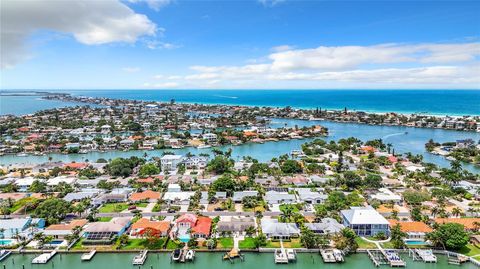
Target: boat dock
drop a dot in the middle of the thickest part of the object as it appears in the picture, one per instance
(182, 255)
(283, 255)
(457, 259)
(88, 256)
(425, 255)
(44, 258)
(233, 254)
(4, 254)
(385, 257)
(331, 255)
(140, 258)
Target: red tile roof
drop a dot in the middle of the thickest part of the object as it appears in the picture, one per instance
(146, 195)
(203, 226)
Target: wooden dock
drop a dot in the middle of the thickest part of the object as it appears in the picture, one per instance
(425, 255)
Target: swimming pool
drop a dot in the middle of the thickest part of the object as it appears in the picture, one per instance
(415, 242)
(184, 238)
(6, 242)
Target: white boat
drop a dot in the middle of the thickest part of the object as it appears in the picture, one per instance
(4, 254)
(176, 254)
(22, 155)
(280, 256)
(140, 258)
(88, 256)
(338, 255)
(291, 254)
(190, 255)
(204, 146)
(44, 258)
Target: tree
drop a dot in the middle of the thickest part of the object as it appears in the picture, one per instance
(373, 181)
(149, 169)
(53, 210)
(291, 167)
(260, 241)
(224, 183)
(449, 235)
(38, 186)
(397, 236)
(345, 240)
(220, 165)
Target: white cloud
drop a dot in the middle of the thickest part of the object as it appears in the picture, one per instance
(89, 22)
(153, 4)
(348, 57)
(270, 3)
(131, 69)
(452, 65)
(155, 44)
(282, 48)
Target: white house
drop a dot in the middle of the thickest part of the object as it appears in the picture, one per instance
(170, 162)
(365, 221)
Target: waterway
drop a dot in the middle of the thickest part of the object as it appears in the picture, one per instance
(403, 139)
(210, 261)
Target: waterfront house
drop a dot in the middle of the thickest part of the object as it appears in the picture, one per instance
(145, 226)
(198, 162)
(415, 230)
(26, 227)
(236, 225)
(275, 230)
(326, 226)
(365, 221)
(105, 232)
(196, 226)
(210, 138)
(78, 196)
(169, 163)
(60, 231)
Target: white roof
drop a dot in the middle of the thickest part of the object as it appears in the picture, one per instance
(363, 215)
(171, 157)
(26, 181)
(56, 180)
(182, 196)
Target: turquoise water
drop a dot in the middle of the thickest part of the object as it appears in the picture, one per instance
(210, 261)
(20, 105)
(413, 142)
(439, 102)
(4, 242)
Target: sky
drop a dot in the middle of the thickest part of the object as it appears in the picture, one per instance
(257, 44)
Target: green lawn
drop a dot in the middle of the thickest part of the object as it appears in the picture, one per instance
(113, 208)
(364, 244)
(225, 242)
(469, 250)
(22, 202)
(294, 243)
(105, 219)
(248, 243)
(141, 204)
(172, 244)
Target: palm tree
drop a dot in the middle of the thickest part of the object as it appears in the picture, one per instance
(456, 211)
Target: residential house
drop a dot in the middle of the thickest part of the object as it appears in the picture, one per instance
(415, 230)
(25, 227)
(169, 163)
(105, 232)
(277, 230)
(326, 226)
(236, 225)
(275, 197)
(60, 231)
(152, 227)
(148, 195)
(365, 221)
(239, 195)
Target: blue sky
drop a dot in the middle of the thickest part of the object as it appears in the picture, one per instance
(240, 44)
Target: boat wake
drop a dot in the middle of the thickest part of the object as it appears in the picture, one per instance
(395, 134)
(225, 96)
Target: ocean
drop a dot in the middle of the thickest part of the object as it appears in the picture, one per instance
(435, 102)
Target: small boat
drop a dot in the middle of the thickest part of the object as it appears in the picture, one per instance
(204, 146)
(22, 155)
(88, 256)
(280, 256)
(140, 258)
(338, 255)
(176, 254)
(291, 255)
(190, 255)
(4, 254)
